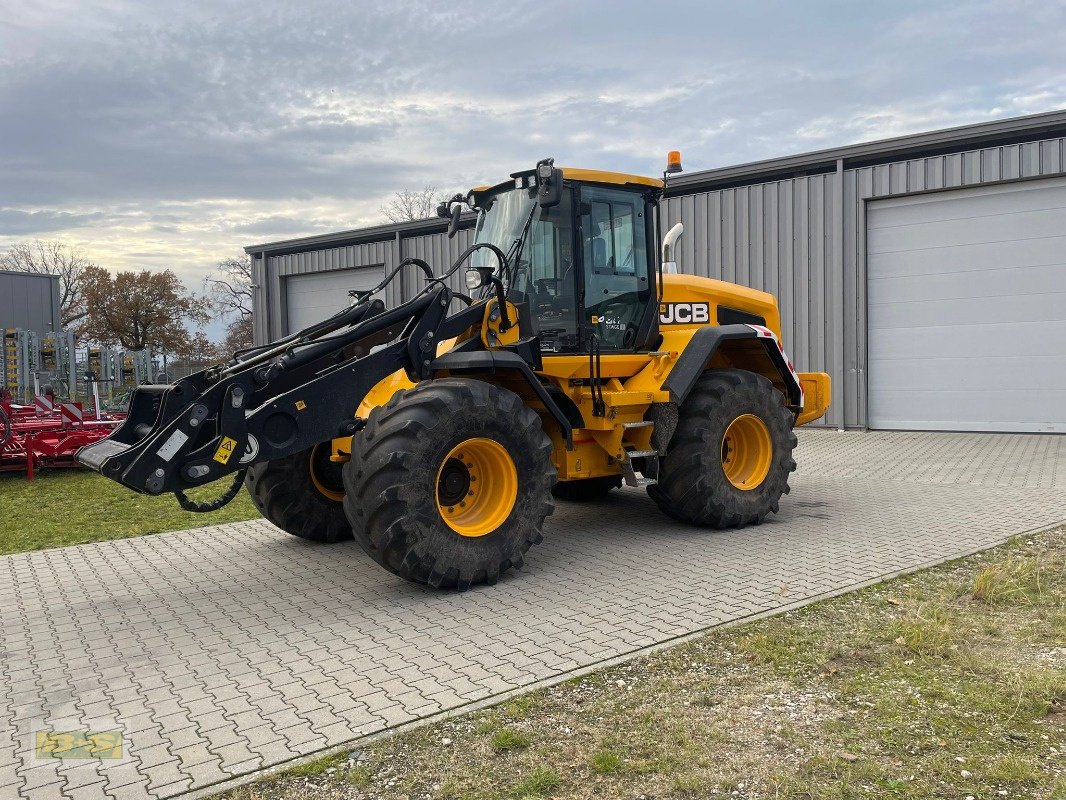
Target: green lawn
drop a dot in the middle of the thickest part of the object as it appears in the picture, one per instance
(63, 507)
(950, 683)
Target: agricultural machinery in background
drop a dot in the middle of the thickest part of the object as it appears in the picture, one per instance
(49, 433)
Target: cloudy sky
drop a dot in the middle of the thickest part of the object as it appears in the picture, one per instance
(174, 134)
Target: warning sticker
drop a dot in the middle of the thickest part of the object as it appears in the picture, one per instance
(225, 450)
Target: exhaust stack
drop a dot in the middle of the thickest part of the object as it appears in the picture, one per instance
(669, 248)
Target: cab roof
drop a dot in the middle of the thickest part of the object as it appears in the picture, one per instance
(584, 176)
(617, 178)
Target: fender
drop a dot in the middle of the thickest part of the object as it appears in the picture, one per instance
(706, 341)
(495, 360)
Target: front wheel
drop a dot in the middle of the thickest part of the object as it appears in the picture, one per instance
(728, 462)
(450, 482)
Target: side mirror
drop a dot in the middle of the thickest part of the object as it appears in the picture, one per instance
(453, 226)
(442, 210)
(549, 183)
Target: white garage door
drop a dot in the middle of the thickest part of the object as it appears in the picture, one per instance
(313, 297)
(967, 309)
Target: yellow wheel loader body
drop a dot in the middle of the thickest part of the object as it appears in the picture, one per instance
(438, 438)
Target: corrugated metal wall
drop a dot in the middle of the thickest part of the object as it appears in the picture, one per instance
(802, 239)
(30, 302)
(1044, 158)
(361, 255)
(777, 237)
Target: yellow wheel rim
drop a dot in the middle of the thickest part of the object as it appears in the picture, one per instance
(747, 452)
(314, 465)
(477, 485)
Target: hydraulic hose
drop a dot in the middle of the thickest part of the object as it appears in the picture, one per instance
(214, 505)
(344, 317)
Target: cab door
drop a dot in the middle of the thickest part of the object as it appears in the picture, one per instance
(617, 270)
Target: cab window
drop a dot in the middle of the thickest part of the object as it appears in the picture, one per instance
(615, 264)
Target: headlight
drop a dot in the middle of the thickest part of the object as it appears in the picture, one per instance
(475, 278)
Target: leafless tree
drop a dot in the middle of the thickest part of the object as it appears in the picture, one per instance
(54, 258)
(408, 205)
(230, 290)
(230, 287)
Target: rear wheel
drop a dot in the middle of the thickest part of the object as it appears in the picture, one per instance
(586, 489)
(302, 494)
(728, 462)
(450, 482)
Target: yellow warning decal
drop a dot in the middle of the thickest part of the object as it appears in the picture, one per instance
(225, 450)
(300, 405)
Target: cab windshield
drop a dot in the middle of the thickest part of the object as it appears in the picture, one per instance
(500, 222)
(542, 271)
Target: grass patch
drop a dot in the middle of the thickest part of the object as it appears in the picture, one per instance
(946, 683)
(65, 507)
(360, 777)
(605, 762)
(539, 783)
(509, 739)
(520, 707)
(1017, 581)
(927, 629)
(316, 766)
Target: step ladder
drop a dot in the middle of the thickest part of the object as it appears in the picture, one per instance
(650, 473)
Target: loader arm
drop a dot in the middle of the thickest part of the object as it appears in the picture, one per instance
(218, 421)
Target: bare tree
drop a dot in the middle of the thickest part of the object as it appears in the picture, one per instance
(230, 290)
(54, 258)
(230, 287)
(408, 205)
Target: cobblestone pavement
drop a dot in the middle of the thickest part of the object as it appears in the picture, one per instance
(224, 650)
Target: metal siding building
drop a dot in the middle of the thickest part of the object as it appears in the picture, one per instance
(794, 226)
(30, 301)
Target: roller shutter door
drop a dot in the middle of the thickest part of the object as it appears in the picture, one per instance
(312, 297)
(967, 309)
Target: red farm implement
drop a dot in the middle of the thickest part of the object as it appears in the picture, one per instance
(46, 436)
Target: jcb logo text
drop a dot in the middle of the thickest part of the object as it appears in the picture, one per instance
(684, 313)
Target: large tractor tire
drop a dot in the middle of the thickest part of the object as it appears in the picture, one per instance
(728, 462)
(450, 483)
(586, 489)
(302, 495)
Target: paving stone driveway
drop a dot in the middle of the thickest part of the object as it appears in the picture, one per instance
(224, 650)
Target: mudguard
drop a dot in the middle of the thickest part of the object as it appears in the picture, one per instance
(706, 341)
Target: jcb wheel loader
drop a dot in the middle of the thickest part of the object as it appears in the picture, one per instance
(437, 433)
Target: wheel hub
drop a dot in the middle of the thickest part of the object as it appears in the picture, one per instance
(747, 452)
(454, 482)
(477, 485)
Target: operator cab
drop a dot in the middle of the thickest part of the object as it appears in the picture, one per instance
(586, 259)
